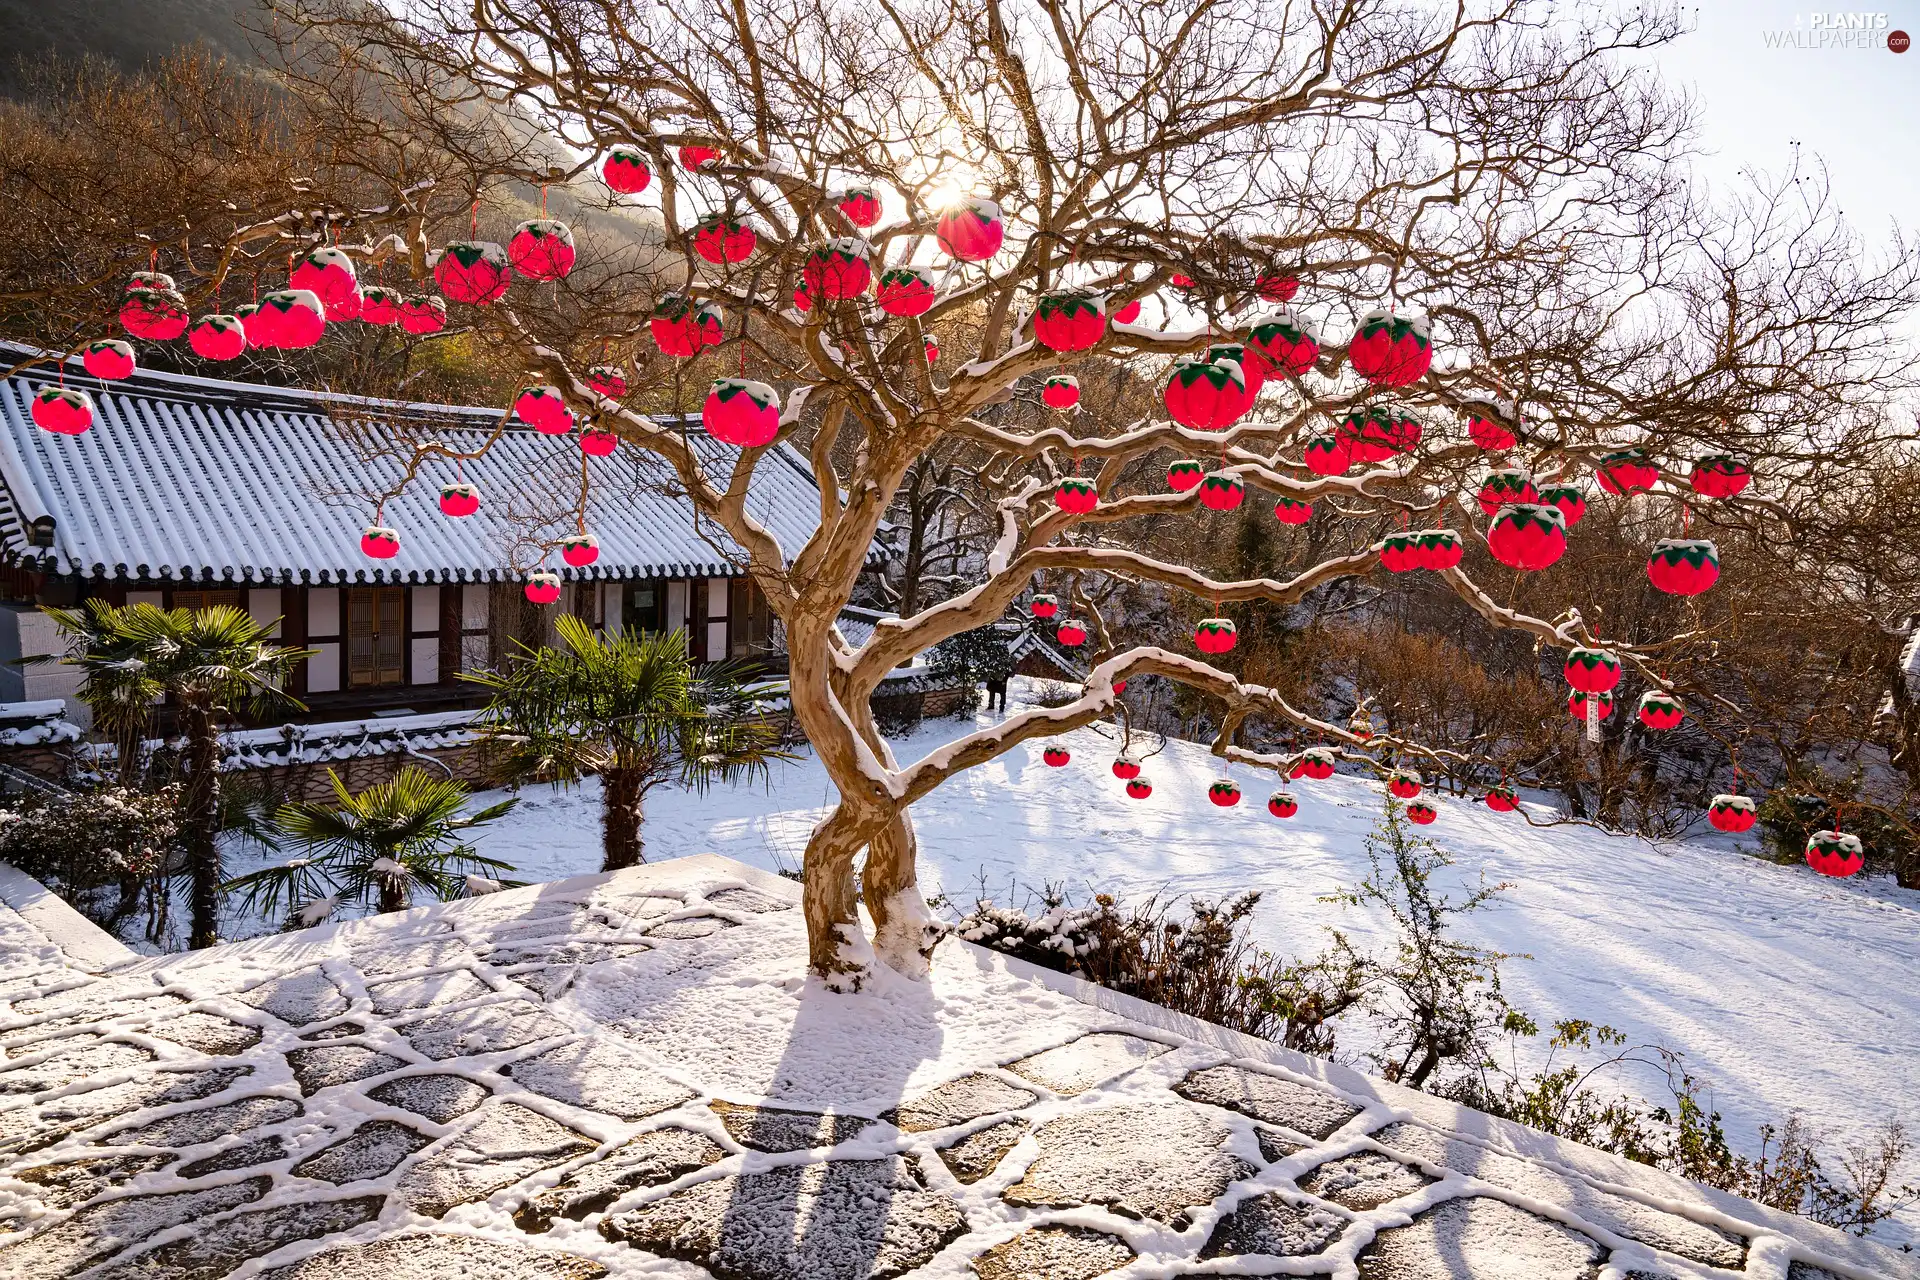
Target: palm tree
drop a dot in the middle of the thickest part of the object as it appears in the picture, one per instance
(631, 708)
(210, 662)
(374, 848)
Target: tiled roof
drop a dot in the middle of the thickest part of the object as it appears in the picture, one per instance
(192, 479)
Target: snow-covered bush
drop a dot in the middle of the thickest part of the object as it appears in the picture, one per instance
(81, 843)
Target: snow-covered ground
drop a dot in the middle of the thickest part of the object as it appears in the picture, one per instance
(1784, 990)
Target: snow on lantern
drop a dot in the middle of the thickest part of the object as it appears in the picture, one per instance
(1731, 813)
(1315, 763)
(1660, 711)
(1138, 788)
(1440, 549)
(1508, 484)
(1072, 633)
(1283, 343)
(1129, 312)
(1591, 670)
(379, 542)
(1275, 286)
(906, 291)
(154, 314)
(722, 240)
(1487, 424)
(218, 337)
(1292, 511)
(541, 249)
(473, 271)
(1400, 552)
(423, 313)
(838, 268)
(626, 171)
(543, 587)
(1220, 491)
(1207, 396)
(695, 157)
(1527, 536)
(1070, 320)
(1391, 350)
(1214, 635)
(1421, 813)
(1061, 391)
(1044, 606)
(607, 380)
(64, 411)
(1327, 456)
(1224, 792)
(459, 499)
(542, 408)
(1404, 784)
(151, 280)
(1076, 495)
(1578, 700)
(859, 205)
(329, 274)
(1503, 799)
(598, 442)
(579, 549)
(1720, 475)
(682, 328)
(971, 230)
(741, 412)
(1568, 496)
(1835, 853)
(1281, 804)
(1126, 768)
(1376, 433)
(1626, 471)
(1184, 474)
(1237, 353)
(1684, 566)
(108, 359)
(379, 305)
(292, 318)
(1055, 756)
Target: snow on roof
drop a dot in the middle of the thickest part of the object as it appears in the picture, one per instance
(194, 479)
(587, 1077)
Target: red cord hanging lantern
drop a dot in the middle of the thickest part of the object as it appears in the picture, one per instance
(1528, 537)
(741, 412)
(423, 313)
(626, 171)
(1184, 474)
(1061, 391)
(1070, 320)
(722, 240)
(1327, 456)
(1220, 491)
(1503, 799)
(1577, 702)
(1224, 792)
(1281, 804)
(459, 499)
(1487, 424)
(1720, 475)
(1237, 353)
(1275, 286)
(1283, 344)
(859, 205)
(541, 249)
(1214, 635)
(1129, 312)
(1138, 788)
(1072, 633)
(579, 549)
(1835, 853)
(155, 314)
(1503, 486)
(379, 542)
(1292, 511)
(838, 269)
(696, 156)
(1315, 762)
(1376, 433)
(1207, 396)
(1076, 496)
(291, 318)
(63, 411)
(1626, 471)
(1731, 813)
(330, 275)
(1404, 784)
(1591, 670)
(607, 380)
(1660, 711)
(543, 588)
(542, 408)
(682, 328)
(218, 337)
(108, 359)
(473, 271)
(1055, 756)
(971, 230)
(1400, 552)
(598, 442)
(1421, 813)
(379, 305)
(1684, 566)
(1569, 497)
(1391, 350)
(1126, 768)
(1043, 606)
(906, 291)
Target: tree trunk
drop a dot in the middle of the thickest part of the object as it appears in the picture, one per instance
(201, 810)
(904, 931)
(837, 950)
(393, 893)
(621, 798)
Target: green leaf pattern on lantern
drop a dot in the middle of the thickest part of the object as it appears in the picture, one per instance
(1396, 328)
(725, 389)
(1697, 552)
(1071, 303)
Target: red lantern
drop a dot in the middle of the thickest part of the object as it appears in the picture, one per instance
(1043, 606)
(1660, 711)
(741, 412)
(1072, 633)
(1275, 287)
(1119, 686)
(1570, 498)
(1509, 484)
(1391, 350)
(218, 337)
(682, 329)
(722, 240)
(348, 308)
(1138, 788)
(1061, 391)
(329, 274)
(1720, 475)
(1487, 424)
(931, 349)
(1184, 474)
(290, 318)
(1503, 799)
(379, 542)
(541, 249)
(459, 499)
(607, 380)
(1422, 813)
(1440, 549)
(1207, 397)
(1128, 312)
(1076, 496)
(838, 269)
(1214, 635)
(1283, 343)
(1281, 804)
(859, 205)
(1179, 281)
(1527, 537)
(64, 411)
(156, 314)
(1835, 853)
(1377, 433)
(379, 305)
(1577, 704)
(626, 171)
(543, 587)
(1627, 471)
(598, 442)
(1292, 511)
(1222, 492)
(1400, 552)
(971, 230)
(802, 299)
(1070, 320)
(1237, 353)
(1327, 456)
(696, 157)
(579, 549)
(1684, 566)
(1315, 763)
(1224, 792)
(1731, 813)
(1055, 756)
(108, 359)
(473, 271)
(1126, 768)
(1591, 670)
(906, 291)
(423, 313)
(542, 408)
(1404, 784)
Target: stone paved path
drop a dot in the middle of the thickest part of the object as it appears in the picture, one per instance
(625, 1076)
